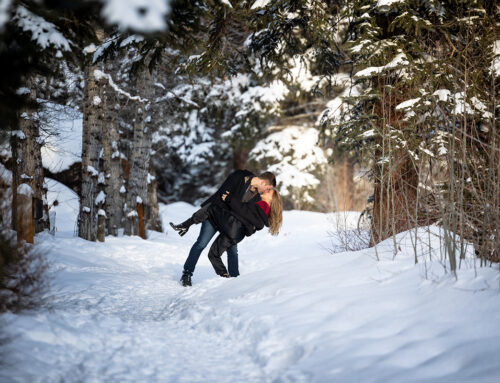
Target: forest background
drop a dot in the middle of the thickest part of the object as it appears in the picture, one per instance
(382, 106)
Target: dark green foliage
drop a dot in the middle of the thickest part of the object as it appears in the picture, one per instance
(21, 57)
(288, 28)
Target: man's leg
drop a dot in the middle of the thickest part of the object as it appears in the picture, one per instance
(232, 260)
(207, 231)
(220, 244)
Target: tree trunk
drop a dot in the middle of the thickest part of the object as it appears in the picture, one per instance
(395, 175)
(111, 164)
(141, 220)
(137, 192)
(344, 184)
(394, 204)
(240, 158)
(24, 214)
(91, 147)
(101, 226)
(154, 220)
(28, 169)
(17, 145)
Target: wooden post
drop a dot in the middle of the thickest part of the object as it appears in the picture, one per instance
(24, 214)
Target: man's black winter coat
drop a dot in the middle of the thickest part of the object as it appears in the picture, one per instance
(236, 184)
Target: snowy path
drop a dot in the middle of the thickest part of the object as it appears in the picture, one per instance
(296, 314)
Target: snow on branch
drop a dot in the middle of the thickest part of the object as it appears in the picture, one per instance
(99, 74)
(172, 94)
(259, 4)
(408, 103)
(387, 4)
(139, 15)
(42, 32)
(399, 61)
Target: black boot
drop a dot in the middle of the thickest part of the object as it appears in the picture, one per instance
(183, 227)
(186, 278)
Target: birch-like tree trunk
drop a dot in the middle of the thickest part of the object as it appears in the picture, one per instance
(91, 147)
(100, 200)
(137, 193)
(111, 164)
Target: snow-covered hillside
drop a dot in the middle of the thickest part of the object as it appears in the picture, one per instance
(296, 314)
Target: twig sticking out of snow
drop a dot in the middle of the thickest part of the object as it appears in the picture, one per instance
(45, 34)
(99, 74)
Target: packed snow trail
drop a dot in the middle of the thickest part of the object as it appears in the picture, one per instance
(296, 314)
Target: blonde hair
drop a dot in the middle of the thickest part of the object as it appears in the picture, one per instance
(275, 213)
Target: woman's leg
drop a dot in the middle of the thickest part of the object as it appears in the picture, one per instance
(207, 231)
(220, 244)
(198, 216)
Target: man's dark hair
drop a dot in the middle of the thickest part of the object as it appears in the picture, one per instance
(269, 177)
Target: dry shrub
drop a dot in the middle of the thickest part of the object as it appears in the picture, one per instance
(22, 274)
(23, 280)
(348, 236)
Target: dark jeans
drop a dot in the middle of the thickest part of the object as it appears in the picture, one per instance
(207, 231)
(220, 244)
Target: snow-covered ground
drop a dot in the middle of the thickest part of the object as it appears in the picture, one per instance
(296, 314)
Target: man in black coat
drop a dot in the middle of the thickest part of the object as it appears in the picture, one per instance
(240, 184)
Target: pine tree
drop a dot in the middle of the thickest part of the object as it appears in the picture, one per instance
(413, 106)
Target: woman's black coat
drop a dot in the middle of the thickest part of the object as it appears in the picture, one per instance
(236, 219)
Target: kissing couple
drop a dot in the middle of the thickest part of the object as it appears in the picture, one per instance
(244, 204)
